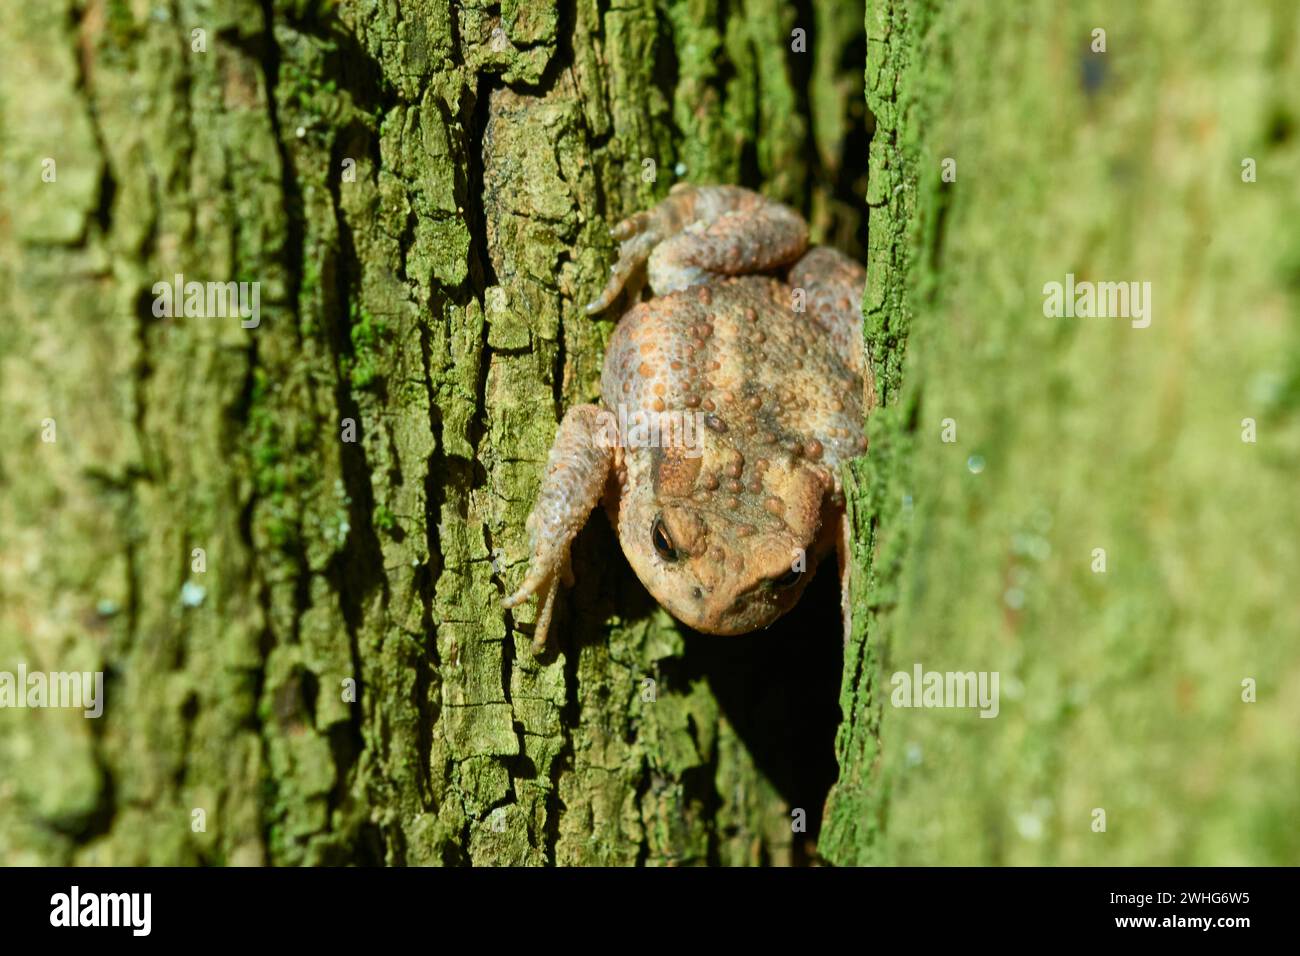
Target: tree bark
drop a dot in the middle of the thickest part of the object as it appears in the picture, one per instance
(1109, 525)
(428, 307)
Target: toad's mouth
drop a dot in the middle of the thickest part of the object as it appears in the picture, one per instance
(750, 611)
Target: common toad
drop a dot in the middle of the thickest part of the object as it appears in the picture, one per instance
(729, 401)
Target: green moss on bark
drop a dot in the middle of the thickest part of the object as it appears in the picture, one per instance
(1122, 688)
(425, 204)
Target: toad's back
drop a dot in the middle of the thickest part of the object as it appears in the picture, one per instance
(767, 381)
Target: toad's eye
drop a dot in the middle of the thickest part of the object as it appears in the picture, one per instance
(662, 542)
(787, 580)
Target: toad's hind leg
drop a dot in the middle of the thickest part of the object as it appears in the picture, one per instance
(833, 285)
(700, 232)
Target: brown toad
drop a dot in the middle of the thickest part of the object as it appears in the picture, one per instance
(729, 401)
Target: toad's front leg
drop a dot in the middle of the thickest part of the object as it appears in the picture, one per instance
(577, 470)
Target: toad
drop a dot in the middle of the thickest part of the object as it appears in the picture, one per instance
(746, 386)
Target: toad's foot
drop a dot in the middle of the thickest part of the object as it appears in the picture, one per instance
(699, 232)
(576, 472)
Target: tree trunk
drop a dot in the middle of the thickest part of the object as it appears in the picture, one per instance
(286, 545)
(1101, 511)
